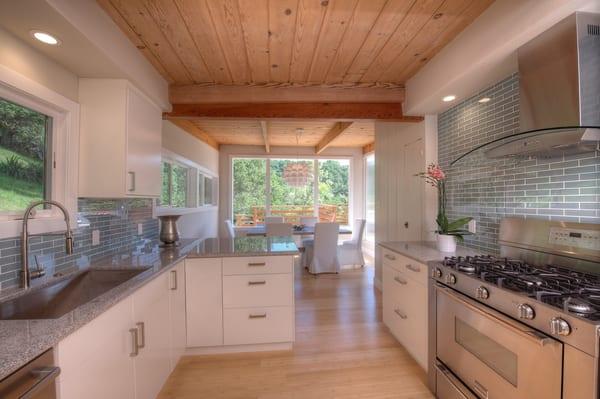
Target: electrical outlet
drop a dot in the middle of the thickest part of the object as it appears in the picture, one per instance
(140, 229)
(95, 237)
(472, 226)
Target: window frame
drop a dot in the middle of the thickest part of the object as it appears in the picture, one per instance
(193, 194)
(314, 158)
(64, 150)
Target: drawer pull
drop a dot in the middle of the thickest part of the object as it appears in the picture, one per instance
(257, 316)
(263, 282)
(400, 281)
(257, 264)
(140, 327)
(401, 315)
(134, 342)
(412, 268)
(390, 257)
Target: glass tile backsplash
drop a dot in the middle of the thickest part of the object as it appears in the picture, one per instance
(565, 188)
(116, 220)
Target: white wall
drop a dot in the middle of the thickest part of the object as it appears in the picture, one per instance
(485, 52)
(18, 56)
(228, 151)
(201, 224)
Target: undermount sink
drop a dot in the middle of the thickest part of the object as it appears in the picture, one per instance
(55, 300)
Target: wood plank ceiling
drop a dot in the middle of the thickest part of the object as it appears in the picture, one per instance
(262, 53)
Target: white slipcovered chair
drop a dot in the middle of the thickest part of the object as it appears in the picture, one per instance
(279, 229)
(320, 255)
(350, 252)
(273, 219)
(229, 230)
(309, 221)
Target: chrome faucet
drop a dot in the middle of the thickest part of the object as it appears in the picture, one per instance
(27, 275)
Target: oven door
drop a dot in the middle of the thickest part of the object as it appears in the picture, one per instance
(495, 356)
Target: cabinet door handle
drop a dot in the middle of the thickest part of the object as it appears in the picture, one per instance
(141, 340)
(134, 342)
(402, 315)
(132, 186)
(173, 280)
(257, 264)
(257, 316)
(390, 257)
(263, 282)
(412, 268)
(400, 281)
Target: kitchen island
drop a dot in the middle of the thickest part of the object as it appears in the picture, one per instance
(134, 334)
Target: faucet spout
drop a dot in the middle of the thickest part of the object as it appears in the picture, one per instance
(26, 274)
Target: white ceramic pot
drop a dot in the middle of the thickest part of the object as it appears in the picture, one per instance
(446, 243)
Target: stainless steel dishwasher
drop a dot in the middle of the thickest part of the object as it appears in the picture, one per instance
(35, 380)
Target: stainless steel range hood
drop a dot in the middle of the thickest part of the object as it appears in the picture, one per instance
(559, 93)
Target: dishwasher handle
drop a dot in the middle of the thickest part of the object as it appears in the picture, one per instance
(43, 376)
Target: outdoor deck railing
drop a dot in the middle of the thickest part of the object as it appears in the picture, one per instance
(292, 214)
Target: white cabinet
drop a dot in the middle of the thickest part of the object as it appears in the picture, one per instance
(204, 302)
(151, 318)
(239, 301)
(177, 303)
(120, 141)
(101, 360)
(405, 303)
(95, 360)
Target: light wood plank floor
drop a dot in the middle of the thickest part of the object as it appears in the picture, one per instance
(342, 350)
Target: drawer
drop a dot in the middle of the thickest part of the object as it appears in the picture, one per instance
(258, 290)
(257, 265)
(405, 310)
(258, 325)
(413, 269)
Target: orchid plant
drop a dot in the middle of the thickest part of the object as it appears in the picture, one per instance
(436, 177)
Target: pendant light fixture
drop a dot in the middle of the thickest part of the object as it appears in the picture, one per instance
(298, 173)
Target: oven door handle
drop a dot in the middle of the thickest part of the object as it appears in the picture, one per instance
(530, 335)
(43, 377)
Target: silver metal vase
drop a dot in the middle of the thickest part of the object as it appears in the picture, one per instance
(169, 234)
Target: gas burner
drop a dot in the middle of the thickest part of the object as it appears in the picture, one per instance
(578, 305)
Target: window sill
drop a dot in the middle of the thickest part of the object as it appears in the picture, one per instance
(43, 225)
(163, 210)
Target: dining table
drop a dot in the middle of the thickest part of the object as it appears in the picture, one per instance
(261, 230)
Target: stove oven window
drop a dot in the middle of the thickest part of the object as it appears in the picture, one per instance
(490, 352)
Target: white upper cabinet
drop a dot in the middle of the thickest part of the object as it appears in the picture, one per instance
(120, 142)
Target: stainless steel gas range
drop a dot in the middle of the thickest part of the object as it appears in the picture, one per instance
(522, 325)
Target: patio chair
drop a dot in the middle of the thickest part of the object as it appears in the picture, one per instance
(229, 230)
(350, 252)
(309, 221)
(273, 219)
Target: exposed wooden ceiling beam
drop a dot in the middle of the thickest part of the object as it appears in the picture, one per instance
(286, 92)
(195, 131)
(369, 148)
(334, 133)
(324, 111)
(264, 126)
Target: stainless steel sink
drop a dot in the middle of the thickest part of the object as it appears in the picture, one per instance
(55, 300)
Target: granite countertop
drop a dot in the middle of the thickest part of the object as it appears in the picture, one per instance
(22, 340)
(244, 246)
(425, 251)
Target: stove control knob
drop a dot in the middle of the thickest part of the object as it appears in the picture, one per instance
(482, 293)
(526, 311)
(437, 272)
(559, 326)
(450, 279)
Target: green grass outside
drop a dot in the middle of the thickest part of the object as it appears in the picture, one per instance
(17, 194)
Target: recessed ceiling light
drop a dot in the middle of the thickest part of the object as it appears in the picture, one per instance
(45, 37)
(484, 100)
(447, 99)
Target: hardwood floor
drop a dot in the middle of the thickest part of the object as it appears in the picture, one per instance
(342, 350)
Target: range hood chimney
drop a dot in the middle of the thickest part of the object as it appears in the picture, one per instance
(559, 82)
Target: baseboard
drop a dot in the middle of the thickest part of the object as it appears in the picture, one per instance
(214, 350)
(377, 284)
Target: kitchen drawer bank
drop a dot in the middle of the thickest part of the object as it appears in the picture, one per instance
(405, 299)
(149, 308)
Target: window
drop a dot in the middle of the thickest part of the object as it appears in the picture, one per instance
(25, 157)
(263, 187)
(178, 182)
